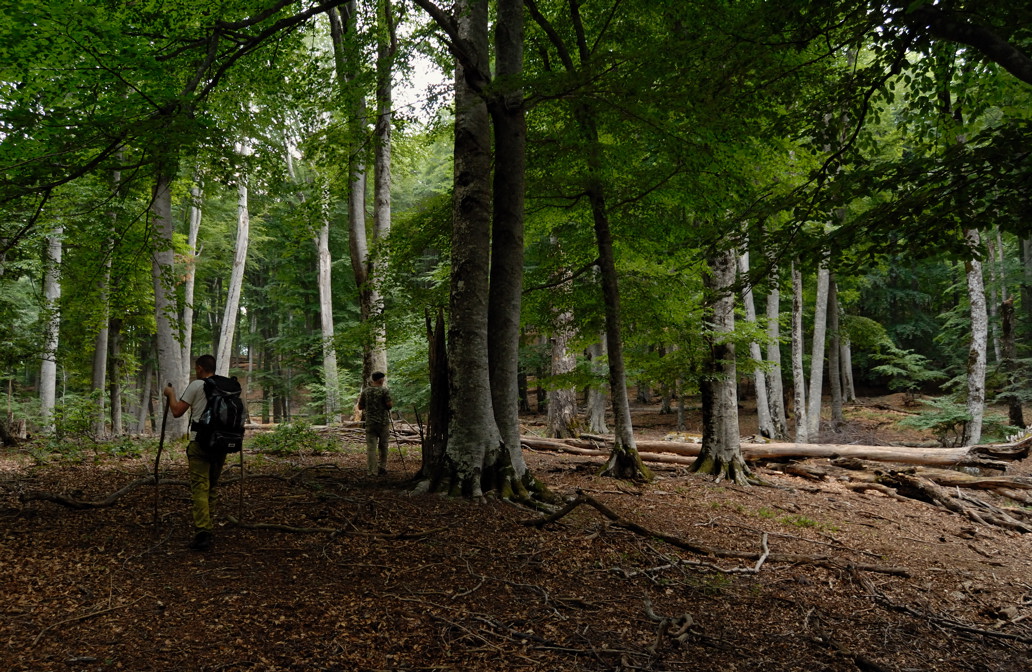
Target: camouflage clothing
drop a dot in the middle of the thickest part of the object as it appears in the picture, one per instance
(376, 402)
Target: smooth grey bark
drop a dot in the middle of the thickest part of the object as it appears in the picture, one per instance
(721, 450)
(817, 346)
(51, 327)
(802, 425)
(331, 381)
(166, 308)
(508, 117)
(231, 312)
(834, 356)
(190, 276)
(848, 388)
(343, 34)
(764, 422)
(324, 278)
(473, 436)
(115, 375)
(595, 397)
(562, 402)
(101, 340)
(387, 47)
(775, 383)
(146, 383)
(976, 365)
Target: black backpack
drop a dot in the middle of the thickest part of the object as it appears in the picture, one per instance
(220, 429)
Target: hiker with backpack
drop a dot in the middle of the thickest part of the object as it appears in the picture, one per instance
(216, 429)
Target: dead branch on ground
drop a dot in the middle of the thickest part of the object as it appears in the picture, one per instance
(826, 561)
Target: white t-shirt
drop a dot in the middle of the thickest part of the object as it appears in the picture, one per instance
(194, 395)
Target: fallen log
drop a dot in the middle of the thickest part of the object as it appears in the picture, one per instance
(937, 457)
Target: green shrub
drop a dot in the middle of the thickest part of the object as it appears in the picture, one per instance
(292, 438)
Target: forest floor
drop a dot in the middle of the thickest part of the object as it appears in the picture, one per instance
(352, 573)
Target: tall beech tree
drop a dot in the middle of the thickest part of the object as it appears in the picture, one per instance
(483, 451)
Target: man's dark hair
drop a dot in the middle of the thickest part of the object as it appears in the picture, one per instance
(378, 375)
(207, 363)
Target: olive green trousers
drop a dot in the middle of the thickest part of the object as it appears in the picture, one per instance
(204, 480)
(378, 439)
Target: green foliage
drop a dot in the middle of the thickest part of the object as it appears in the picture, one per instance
(292, 438)
(74, 418)
(947, 421)
(906, 370)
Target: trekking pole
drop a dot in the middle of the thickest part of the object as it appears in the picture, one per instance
(397, 441)
(240, 493)
(157, 459)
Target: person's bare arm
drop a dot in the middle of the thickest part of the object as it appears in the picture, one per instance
(177, 406)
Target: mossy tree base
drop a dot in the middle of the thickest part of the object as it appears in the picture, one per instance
(733, 469)
(626, 463)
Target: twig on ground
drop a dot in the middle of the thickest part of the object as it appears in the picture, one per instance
(794, 558)
(99, 612)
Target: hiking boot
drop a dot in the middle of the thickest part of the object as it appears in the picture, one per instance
(202, 541)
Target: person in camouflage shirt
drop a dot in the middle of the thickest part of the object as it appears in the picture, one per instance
(375, 401)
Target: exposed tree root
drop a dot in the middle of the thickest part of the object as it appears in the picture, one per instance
(74, 503)
(496, 477)
(795, 558)
(625, 462)
(734, 470)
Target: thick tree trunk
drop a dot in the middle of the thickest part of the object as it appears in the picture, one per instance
(802, 434)
(775, 386)
(115, 375)
(51, 327)
(474, 441)
(101, 343)
(190, 276)
(324, 279)
(343, 33)
(166, 308)
(507, 112)
(331, 404)
(1015, 415)
(146, 384)
(997, 288)
(820, 328)
(624, 461)
(227, 340)
(764, 421)
(721, 452)
(848, 389)
(834, 356)
(387, 46)
(435, 442)
(562, 402)
(595, 397)
(1026, 278)
(976, 364)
